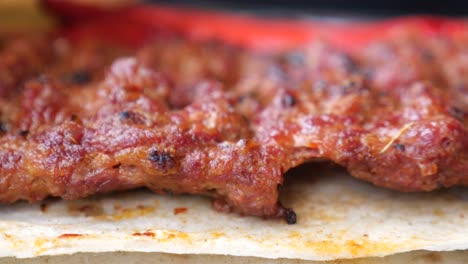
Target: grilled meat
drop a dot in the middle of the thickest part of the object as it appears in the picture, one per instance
(180, 117)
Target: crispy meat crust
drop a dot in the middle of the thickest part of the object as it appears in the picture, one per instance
(180, 117)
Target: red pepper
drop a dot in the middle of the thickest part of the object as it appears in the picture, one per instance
(135, 25)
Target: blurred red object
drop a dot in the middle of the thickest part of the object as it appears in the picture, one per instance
(134, 24)
(72, 10)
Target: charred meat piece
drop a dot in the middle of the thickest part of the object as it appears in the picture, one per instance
(181, 117)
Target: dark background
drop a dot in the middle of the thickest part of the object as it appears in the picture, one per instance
(371, 8)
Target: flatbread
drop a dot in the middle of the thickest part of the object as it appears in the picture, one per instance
(339, 217)
(418, 257)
